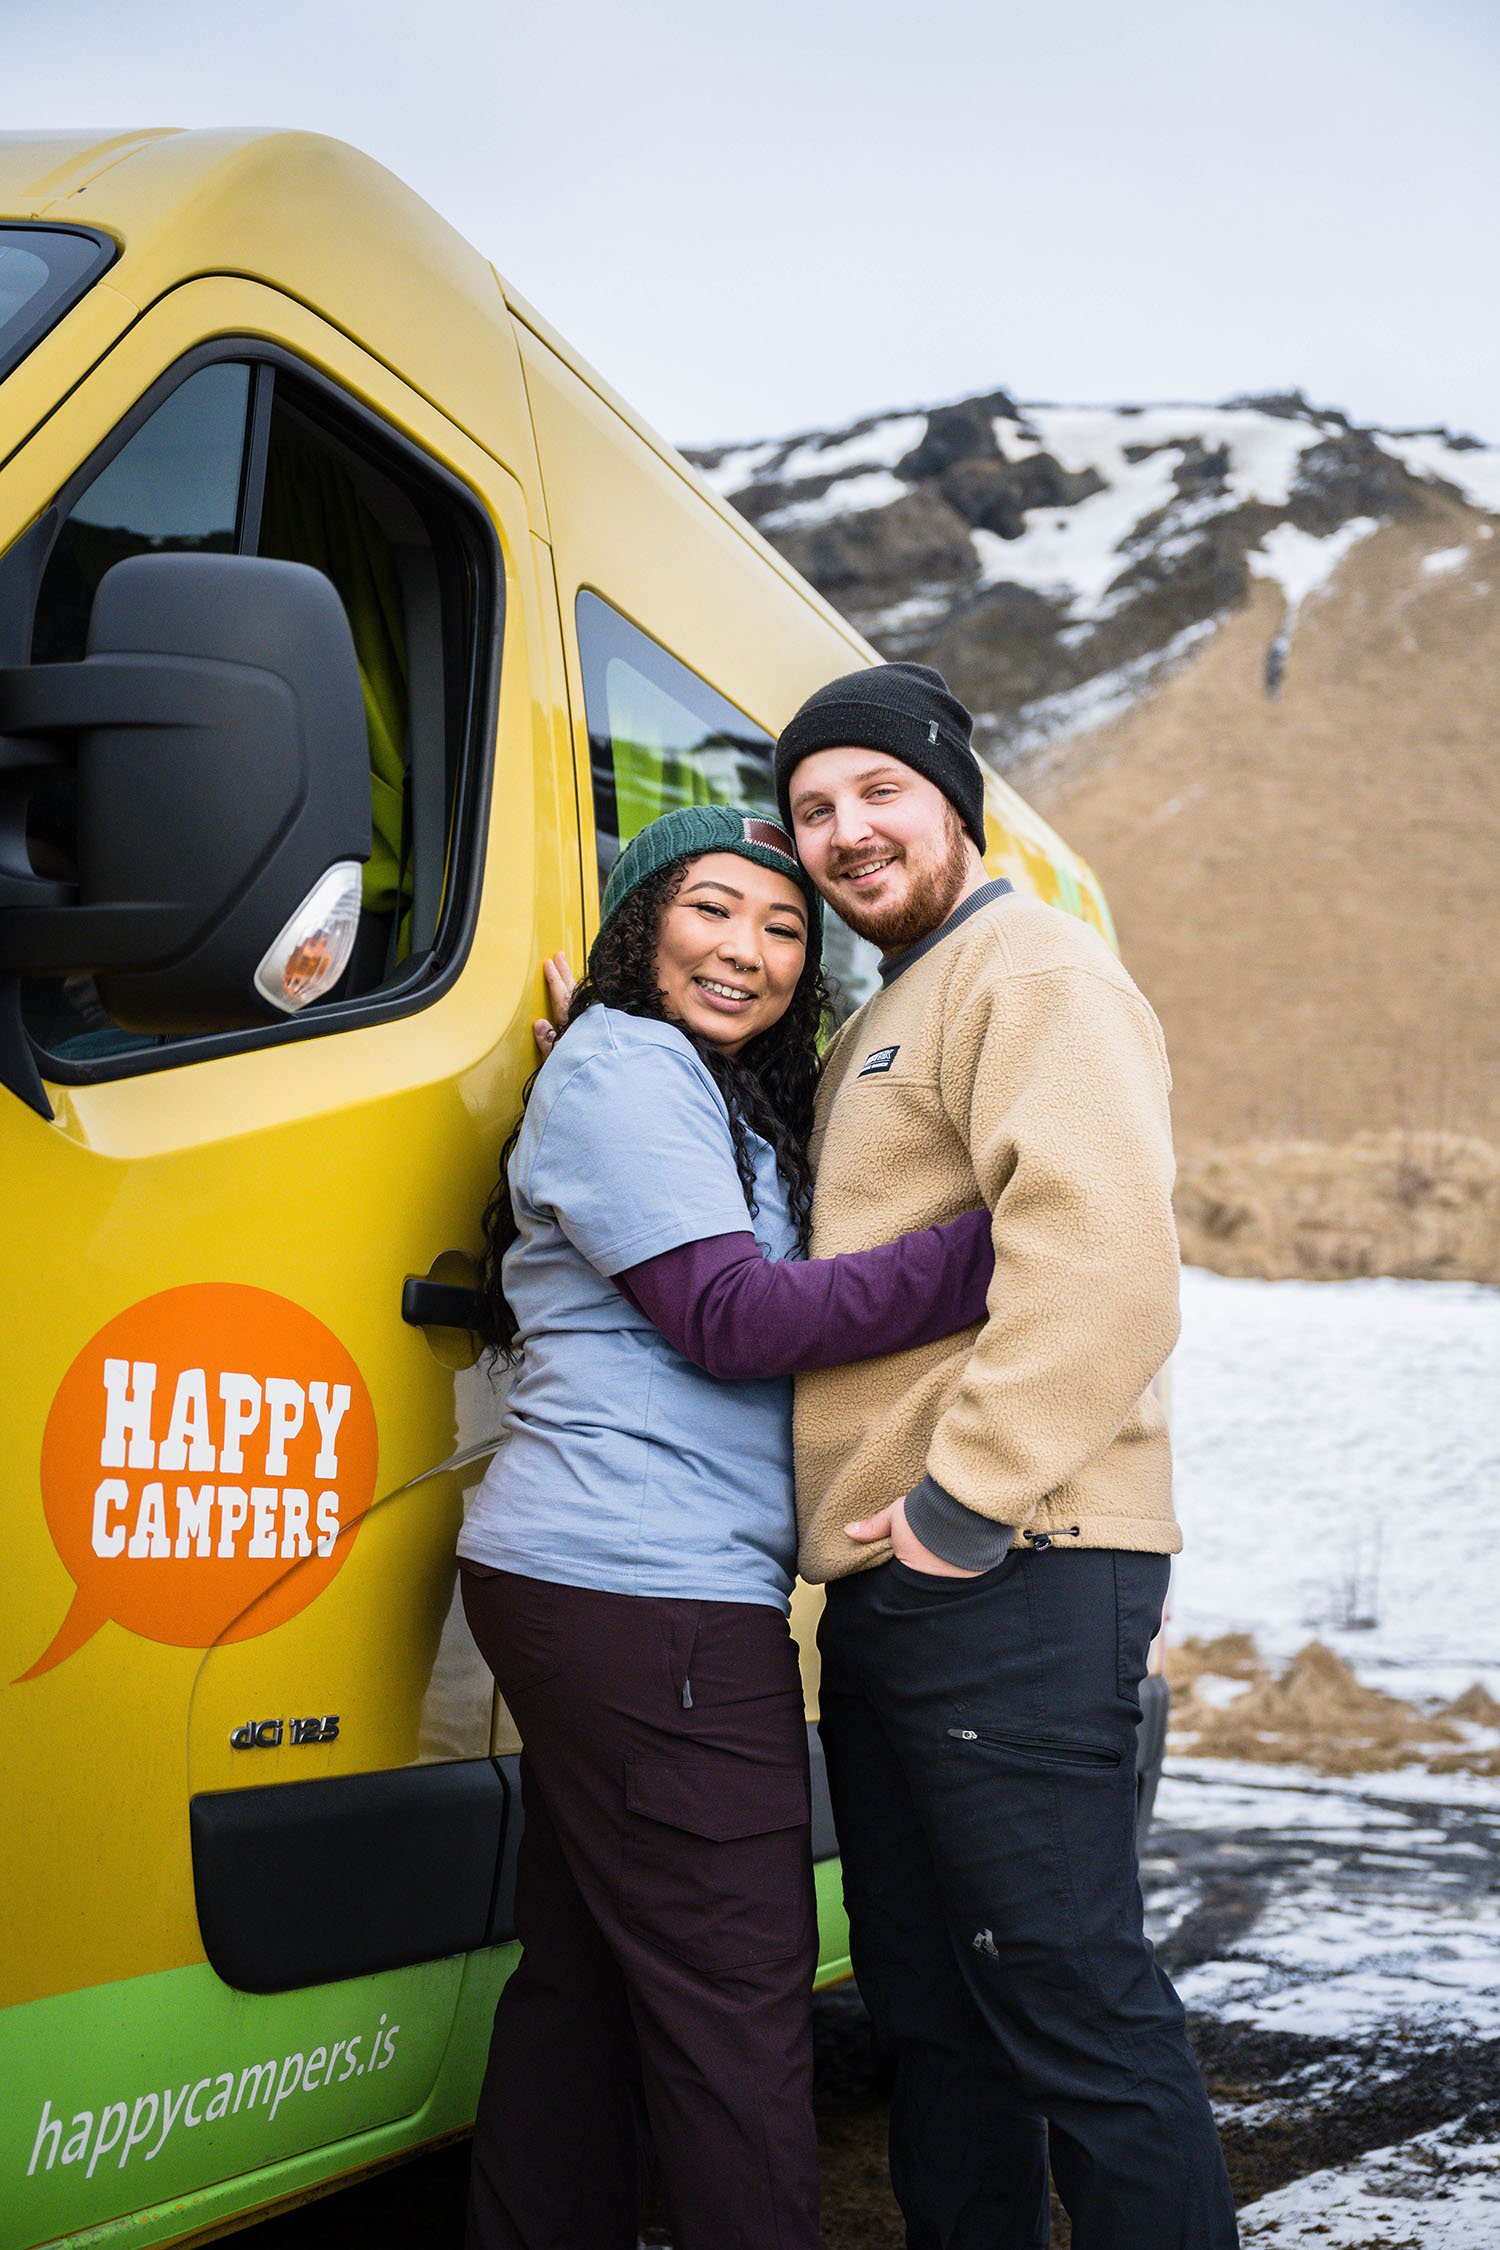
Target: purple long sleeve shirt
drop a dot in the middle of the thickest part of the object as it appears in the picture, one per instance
(741, 1316)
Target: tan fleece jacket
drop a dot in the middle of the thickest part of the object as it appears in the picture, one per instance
(1013, 1064)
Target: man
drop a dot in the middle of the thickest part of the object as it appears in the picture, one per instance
(993, 1513)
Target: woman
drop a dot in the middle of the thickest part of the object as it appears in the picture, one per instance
(630, 1555)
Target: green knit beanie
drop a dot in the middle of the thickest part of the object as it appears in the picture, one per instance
(691, 831)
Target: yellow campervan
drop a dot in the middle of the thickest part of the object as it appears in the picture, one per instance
(348, 624)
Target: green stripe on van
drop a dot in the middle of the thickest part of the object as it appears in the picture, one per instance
(144, 2110)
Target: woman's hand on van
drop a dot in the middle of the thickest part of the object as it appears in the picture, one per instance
(560, 982)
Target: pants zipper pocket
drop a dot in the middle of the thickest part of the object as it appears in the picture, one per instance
(1046, 1750)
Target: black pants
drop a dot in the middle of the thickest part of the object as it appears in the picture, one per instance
(980, 1737)
(665, 1908)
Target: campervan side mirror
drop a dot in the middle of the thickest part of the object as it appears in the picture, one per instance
(216, 729)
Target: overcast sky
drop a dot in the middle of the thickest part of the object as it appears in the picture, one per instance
(782, 215)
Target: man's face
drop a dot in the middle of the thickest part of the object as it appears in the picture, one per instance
(882, 843)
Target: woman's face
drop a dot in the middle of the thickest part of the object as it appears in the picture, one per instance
(730, 949)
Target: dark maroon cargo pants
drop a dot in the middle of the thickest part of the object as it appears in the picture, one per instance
(664, 1903)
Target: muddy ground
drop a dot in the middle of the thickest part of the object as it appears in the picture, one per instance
(1231, 1864)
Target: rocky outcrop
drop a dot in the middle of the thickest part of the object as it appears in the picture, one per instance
(1058, 561)
(868, 564)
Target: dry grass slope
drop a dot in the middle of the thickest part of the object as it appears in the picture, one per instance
(1317, 1714)
(1306, 887)
(1425, 1206)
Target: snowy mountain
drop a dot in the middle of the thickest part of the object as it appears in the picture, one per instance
(1056, 562)
(1247, 659)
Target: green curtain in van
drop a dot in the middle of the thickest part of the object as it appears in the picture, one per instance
(312, 514)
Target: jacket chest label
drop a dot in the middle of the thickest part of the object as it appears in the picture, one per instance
(874, 1065)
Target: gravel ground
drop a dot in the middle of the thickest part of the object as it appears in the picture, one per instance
(1338, 1946)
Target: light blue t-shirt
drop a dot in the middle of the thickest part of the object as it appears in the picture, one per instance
(623, 1466)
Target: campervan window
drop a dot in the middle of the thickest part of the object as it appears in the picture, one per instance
(659, 737)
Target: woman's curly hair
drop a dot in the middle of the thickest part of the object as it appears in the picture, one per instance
(768, 1087)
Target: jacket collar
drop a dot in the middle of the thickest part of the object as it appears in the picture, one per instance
(898, 963)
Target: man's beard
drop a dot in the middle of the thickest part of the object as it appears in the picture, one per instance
(929, 901)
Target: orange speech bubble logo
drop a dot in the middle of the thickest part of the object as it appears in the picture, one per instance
(205, 1466)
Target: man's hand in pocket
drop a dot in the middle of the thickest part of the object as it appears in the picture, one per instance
(890, 1523)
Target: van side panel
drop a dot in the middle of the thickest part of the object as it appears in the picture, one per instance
(324, 1171)
(279, 1168)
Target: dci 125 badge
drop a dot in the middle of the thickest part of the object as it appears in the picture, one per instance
(269, 1734)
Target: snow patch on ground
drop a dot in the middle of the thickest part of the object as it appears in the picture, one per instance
(1330, 1962)
(1475, 472)
(1444, 560)
(1437, 2192)
(907, 616)
(1203, 1793)
(1300, 561)
(1339, 1450)
(1307, 1798)
(740, 466)
(1338, 1455)
(878, 448)
(853, 496)
(1263, 449)
(1217, 1691)
(1078, 551)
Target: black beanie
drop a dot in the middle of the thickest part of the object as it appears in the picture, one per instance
(904, 709)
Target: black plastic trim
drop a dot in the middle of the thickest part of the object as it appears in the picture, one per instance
(424, 982)
(501, 1928)
(825, 1843)
(310, 1882)
(55, 302)
(438, 1304)
(1150, 1750)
